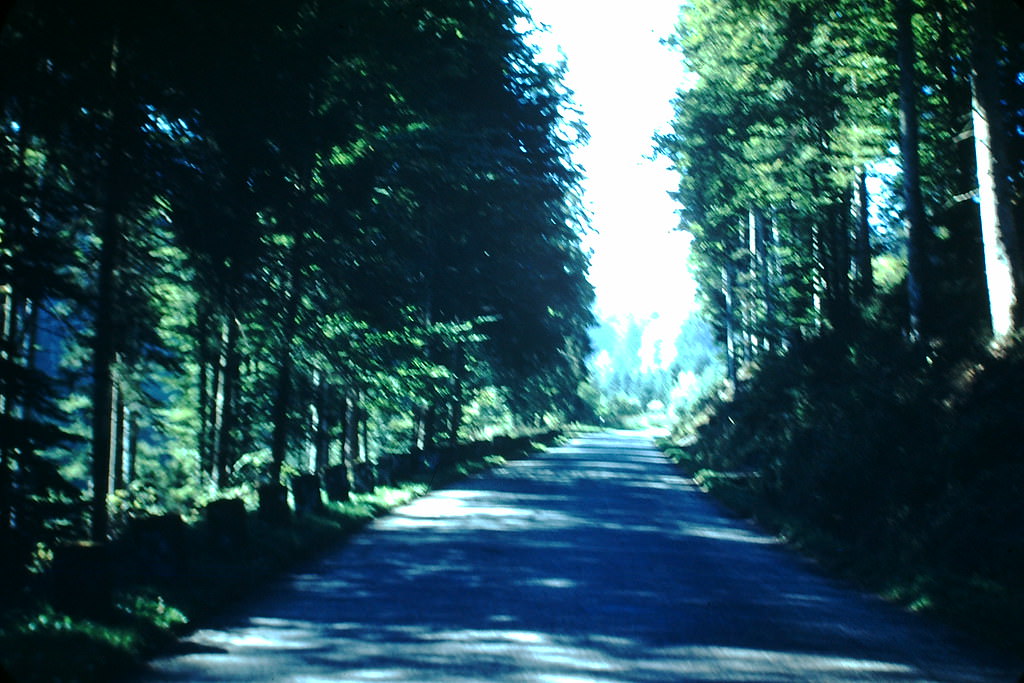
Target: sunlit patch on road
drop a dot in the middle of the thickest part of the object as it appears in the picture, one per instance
(723, 533)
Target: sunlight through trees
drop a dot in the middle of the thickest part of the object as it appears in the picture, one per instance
(244, 241)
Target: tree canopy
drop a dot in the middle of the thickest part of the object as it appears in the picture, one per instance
(246, 240)
(852, 175)
(803, 121)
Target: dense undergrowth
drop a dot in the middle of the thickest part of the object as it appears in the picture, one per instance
(145, 607)
(901, 470)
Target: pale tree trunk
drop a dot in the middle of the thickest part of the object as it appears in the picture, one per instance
(224, 437)
(729, 290)
(759, 252)
(320, 424)
(919, 239)
(204, 361)
(106, 301)
(215, 414)
(455, 414)
(819, 281)
(102, 383)
(117, 425)
(1003, 275)
(417, 427)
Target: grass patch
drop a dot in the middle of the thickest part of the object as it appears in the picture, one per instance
(46, 645)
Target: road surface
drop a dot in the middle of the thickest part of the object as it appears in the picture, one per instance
(596, 561)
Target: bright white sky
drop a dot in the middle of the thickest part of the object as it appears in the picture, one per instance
(624, 80)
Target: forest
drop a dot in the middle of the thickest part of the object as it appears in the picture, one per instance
(647, 369)
(853, 177)
(249, 248)
(242, 243)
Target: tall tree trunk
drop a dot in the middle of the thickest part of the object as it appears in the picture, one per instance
(778, 338)
(12, 305)
(205, 361)
(456, 422)
(226, 441)
(281, 413)
(1003, 276)
(6, 409)
(344, 425)
(216, 406)
(759, 254)
(963, 259)
(7, 324)
(419, 424)
(102, 381)
(839, 287)
(456, 395)
(864, 283)
(919, 281)
(729, 290)
(117, 440)
(31, 334)
(323, 451)
(352, 425)
(819, 276)
(133, 446)
(321, 425)
(364, 434)
(430, 427)
(111, 236)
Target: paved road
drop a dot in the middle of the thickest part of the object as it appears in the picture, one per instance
(593, 562)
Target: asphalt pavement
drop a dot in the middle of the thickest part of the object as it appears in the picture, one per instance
(596, 561)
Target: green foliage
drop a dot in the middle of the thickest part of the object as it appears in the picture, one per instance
(901, 472)
(833, 426)
(649, 369)
(41, 643)
(789, 105)
(271, 261)
(48, 646)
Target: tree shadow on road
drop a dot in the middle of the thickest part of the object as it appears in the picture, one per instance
(594, 562)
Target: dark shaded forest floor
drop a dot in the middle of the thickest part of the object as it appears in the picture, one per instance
(901, 471)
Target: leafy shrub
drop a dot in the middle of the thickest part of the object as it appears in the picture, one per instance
(902, 468)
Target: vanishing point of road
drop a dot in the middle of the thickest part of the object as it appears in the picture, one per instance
(596, 561)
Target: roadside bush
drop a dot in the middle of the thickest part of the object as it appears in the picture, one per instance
(905, 470)
(164, 578)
